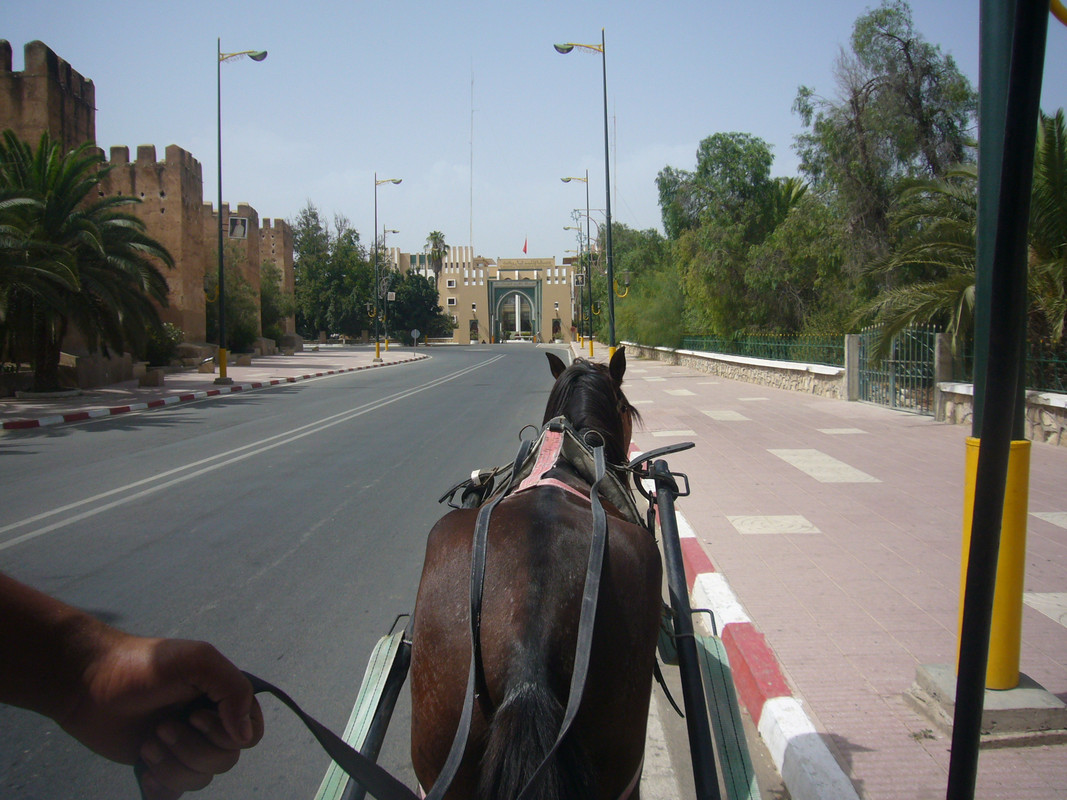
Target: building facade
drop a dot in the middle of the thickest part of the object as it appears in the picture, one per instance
(511, 299)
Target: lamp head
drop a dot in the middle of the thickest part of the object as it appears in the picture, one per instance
(563, 48)
(262, 54)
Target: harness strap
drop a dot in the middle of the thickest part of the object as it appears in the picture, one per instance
(476, 683)
(369, 775)
(584, 645)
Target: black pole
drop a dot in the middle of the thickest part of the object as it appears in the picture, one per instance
(705, 776)
(607, 189)
(1007, 331)
(588, 264)
(222, 275)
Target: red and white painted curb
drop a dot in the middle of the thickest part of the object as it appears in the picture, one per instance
(96, 413)
(807, 767)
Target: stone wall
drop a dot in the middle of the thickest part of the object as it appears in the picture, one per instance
(171, 195)
(276, 246)
(814, 379)
(1046, 412)
(47, 95)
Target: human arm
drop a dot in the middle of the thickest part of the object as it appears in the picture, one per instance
(126, 697)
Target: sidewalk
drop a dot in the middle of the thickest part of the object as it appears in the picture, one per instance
(190, 385)
(827, 536)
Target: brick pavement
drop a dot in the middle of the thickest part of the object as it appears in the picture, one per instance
(837, 526)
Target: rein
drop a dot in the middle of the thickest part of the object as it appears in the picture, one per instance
(378, 781)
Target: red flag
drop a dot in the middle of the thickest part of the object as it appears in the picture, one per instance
(524, 243)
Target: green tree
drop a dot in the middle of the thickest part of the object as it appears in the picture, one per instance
(931, 276)
(435, 244)
(83, 262)
(651, 311)
(242, 306)
(415, 308)
(275, 304)
(332, 276)
(903, 110)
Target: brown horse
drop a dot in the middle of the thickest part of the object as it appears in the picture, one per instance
(538, 546)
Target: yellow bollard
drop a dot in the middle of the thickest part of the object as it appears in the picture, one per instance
(1005, 634)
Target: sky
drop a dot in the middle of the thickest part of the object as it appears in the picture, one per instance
(466, 102)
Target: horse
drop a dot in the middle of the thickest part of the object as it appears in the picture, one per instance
(537, 547)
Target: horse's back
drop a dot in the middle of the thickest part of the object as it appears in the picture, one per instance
(538, 547)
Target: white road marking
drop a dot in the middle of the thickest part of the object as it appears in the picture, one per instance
(823, 468)
(205, 465)
(784, 523)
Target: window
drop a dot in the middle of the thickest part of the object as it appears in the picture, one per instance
(450, 283)
(451, 301)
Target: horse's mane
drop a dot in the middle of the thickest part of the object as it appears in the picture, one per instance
(586, 395)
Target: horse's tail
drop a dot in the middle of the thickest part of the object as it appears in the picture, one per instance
(521, 732)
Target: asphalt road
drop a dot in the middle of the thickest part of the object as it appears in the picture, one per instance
(286, 526)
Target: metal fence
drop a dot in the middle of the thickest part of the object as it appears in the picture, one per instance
(1046, 365)
(829, 350)
(904, 379)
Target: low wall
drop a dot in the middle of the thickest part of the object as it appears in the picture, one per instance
(1046, 412)
(817, 379)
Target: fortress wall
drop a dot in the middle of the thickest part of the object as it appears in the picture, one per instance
(171, 194)
(47, 95)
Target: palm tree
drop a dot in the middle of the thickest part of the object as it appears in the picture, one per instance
(931, 276)
(71, 257)
(1048, 230)
(435, 243)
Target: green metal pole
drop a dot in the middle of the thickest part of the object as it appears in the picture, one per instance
(1006, 333)
(607, 187)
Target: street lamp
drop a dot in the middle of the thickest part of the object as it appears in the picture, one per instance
(377, 287)
(255, 55)
(385, 316)
(564, 49)
(589, 257)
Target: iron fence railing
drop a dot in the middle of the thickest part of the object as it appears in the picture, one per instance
(904, 377)
(1046, 362)
(1046, 365)
(828, 350)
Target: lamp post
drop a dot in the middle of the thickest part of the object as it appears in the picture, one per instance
(385, 316)
(377, 287)
(589, 259)
(255, 55)
(564, 49)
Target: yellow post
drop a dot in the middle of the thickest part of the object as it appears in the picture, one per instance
(1006, 631)
(223, 355)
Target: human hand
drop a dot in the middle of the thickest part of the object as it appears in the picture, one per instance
(177, 708)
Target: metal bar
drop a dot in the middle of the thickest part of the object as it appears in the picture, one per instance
(705, 776)
(1006, 336)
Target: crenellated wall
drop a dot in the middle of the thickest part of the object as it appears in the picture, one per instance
(47, 95)
(171, 193)
(276, 246)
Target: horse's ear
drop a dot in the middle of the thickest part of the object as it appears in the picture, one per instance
(556, 364)
(618, 366)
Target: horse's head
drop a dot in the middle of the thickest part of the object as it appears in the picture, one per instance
(590, 396)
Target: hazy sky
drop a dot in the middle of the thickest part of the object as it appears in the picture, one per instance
(350, 88)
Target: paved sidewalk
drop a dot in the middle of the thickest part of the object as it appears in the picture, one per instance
(829, 534)
(189, 385)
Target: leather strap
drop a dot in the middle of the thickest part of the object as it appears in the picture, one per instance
(476, 683)
(372, 777)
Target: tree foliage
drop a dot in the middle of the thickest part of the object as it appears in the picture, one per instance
(332, 274)
(903, 110)
(71, 258)
(416, 308)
